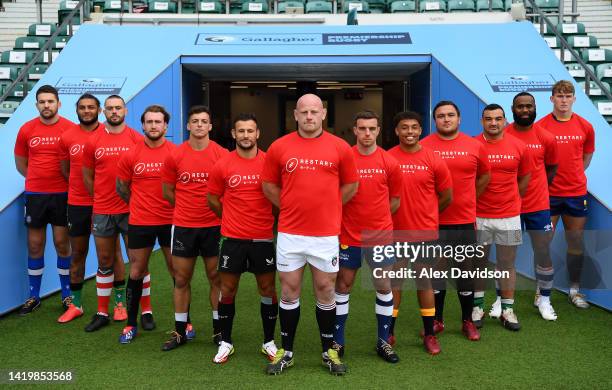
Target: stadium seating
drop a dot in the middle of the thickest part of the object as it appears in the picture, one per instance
(161, 6)
(295, 5)
(496, 5)
(604, 72)
(41, 30)
(604, 107)
(432, 6)
(461, 6)
(8, 107)
(18, 91)
(36, 71)
(595, 93)
(209, 6)
(597, 55)
(66, 6)
(566, 29)
(114, 6)
(552, 41)
(9, 72)
(318, 7)
(582, 41)
(254, 7)
(359, 6)
(577, 71)
(548, 5)
(377, 6)
(30, 42)
(402, 6)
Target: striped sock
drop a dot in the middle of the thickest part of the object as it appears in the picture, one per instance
(497, 288)
(145, 299)
(289, 316)
(36, 267)
(544, 277)
(104, 285)
(63, 269)
(268, 309)
(479, 299)
(507, 303)
(428, 315)
(384, 314)
(342, 310)
(326, 319)
(393, 319)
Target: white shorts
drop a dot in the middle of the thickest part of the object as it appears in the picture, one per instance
(502, 231)
(294, 251)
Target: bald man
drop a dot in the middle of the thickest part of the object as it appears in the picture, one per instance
(308, 175)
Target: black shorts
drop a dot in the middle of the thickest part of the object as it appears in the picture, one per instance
(193, 242)
(140, 236)
(79, 220)
(238, 256)
(42, 209)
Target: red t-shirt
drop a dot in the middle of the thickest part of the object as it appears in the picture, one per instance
(543, 151)
(189, 170)
(509, 160)
(575, 138)
(310, 172)
(247, 213)
(425, 175)
(71, 147)
(466, 159)
(39, 144)
(366, 218)
(142, 167)
(102, 153)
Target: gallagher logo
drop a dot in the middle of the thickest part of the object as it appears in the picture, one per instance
(291, 164)
(99, 153)
(184, 177)
(139, 168)
(234, 180)
(74, 149)
(219, 39)
(34, 142)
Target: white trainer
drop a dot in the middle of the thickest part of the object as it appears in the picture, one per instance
(536, 299)
(509, 320)
(546, 311)
(223, 353)
(496, 309)
(579, 300)
(269, 349)
(477, 316)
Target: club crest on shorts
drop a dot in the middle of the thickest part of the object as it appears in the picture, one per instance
(270, 261)
(334, 260)
(225, 260)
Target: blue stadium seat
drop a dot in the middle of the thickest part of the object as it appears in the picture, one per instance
(461, 6)
(41, 30)
(432, 6)
(318, 7)
(360, 6)
(402, 6)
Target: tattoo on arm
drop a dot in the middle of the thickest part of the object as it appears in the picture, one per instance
(123, 191)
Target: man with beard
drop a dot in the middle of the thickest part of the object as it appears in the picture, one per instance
(568, 191)
(110, 213)
(535, 207)
(139, 185)
(37, 159)
(498, 208)
(246, 233)
(72, 143)
(195, 230)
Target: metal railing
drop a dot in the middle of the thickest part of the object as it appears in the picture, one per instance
(588, 73)
(48, 47)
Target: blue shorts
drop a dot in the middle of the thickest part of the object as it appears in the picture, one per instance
(352, 257)
(574, 206)
(537, 221)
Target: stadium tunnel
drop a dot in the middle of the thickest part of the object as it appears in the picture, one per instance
(264, 70)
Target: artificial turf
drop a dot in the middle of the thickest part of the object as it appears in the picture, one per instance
(572, 352)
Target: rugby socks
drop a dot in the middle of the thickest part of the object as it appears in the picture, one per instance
(393, 319)
(76, 289)
(497, 288)
(428, 315)
(544, 277)
(35, 272)
(342, 310)
(180, 323)
(133, 292)
(119, 289)
(145, 299)
(104, 285)
(216, 326)
(574, 266)
(384, 314)
(268, 309)
(63, 270)
(227, 310)
(439, 298)
(289, 315)
(507, 303)
(466, 300)
(479, 299)
(326, 319)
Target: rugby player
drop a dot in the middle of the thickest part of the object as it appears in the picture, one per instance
(470, 171)
(568, 191)
(37, 159)
(426, 191)
(196, 228)
(102, 152)
(139, 185)
(498, 209)
(535, 207)
(366, 222)
(308, 175)
(246, 233)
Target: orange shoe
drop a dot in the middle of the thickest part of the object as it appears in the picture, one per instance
(70, 314)
(120, 312)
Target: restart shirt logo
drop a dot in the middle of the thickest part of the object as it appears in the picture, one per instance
(451, 154)
(193, 177)
(36, 141)
(306, 164)
(236, 180)
(110, 151)
(568, 139)
(142, 168)
(76, 148)
(412, 168)
(370, 173)
(498, 158)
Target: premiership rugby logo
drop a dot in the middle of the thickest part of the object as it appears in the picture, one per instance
(34, 142)
(234, 180)
(139, 168)
(184, 177)
(74, 149)
(99, 153)
(291, 164)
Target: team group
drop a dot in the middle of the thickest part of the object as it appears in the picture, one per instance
(199, 199)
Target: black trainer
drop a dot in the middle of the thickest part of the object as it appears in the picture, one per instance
(98, 321)
(29, 306)
(176, 340)
(385, 351)
(147, 322)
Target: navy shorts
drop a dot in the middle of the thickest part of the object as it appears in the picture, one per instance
(352, 257)
(574, 206)
(537, 221)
